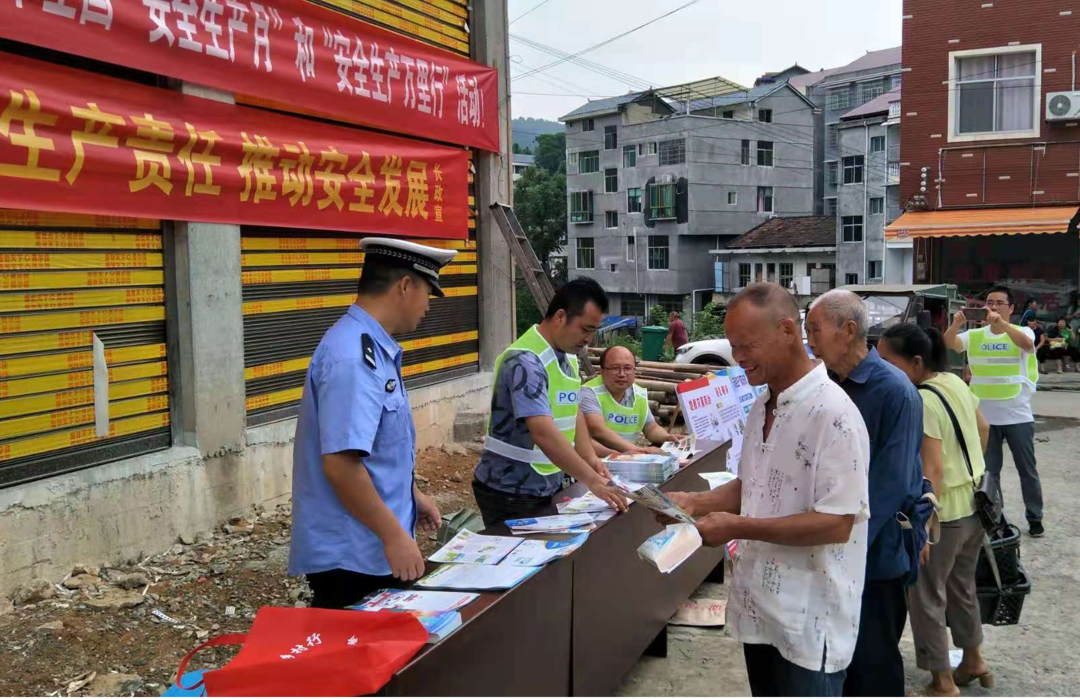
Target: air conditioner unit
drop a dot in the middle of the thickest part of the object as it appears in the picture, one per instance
(1063, 106)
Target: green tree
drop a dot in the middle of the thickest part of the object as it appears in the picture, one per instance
(658, 316)
(528, 314)
(517, 149)
(540, 205)
(709, 323)
(550, 152)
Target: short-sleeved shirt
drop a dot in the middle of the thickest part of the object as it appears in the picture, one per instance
(892, 411)
(802, 599)
(1014, 411)
(957, 498)
(521, 391)
(351, 406)
(678, 333)
(1038, 332)
(590, 404)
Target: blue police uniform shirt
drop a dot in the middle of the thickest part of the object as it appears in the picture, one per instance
(349, 405)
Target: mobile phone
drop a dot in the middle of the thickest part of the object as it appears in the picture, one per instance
(975, 314)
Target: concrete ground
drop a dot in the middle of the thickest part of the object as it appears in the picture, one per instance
(1034, 658)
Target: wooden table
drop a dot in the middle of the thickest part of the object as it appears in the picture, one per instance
(577, 626)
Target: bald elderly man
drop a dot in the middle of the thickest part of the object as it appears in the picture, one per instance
(616, 409)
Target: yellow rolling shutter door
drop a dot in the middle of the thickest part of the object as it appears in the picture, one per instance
(63, 279)
(442, 23)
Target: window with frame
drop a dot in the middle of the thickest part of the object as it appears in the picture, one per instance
(629, 156)
(895, 82)
(633, 200)
(830, 207)
(995, 93)
(770, 272)
(633, 306)
(611, 180)
(853, 169)
(611, 219)
(580, 207)
(658, 252)
(852, 228)
(631, 248)
(877, 144)
(590, 162)
(831, 173)
(670, 303)
(673, 152)
(744, 274)
(765, 200)
(874, 271)
(611, 137)
(729, 114)
(787, 274)
(839, 98)
(662, 201)
(877, 205)
(765, 153)
(641, 149)
(745, 155)
(586, 253)
(871, 90)
(764, 116)
(850, 279)
(832, 132)
(652, 147)
(572, 159)
(587, 125)
(733, 198)
(564, 240)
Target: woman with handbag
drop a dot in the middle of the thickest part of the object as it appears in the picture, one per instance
(954, 437)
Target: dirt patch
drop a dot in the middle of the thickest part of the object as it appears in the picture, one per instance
(102, 620)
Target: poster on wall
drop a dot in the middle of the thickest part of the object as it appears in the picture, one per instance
(78, 142)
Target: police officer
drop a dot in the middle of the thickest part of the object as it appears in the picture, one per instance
(616, 409)
(355, 502)
(535, 432)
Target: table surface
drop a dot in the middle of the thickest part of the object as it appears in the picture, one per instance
(540, 638)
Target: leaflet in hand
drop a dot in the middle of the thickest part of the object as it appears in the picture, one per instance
(537, 552)
(476, 577)
(468, 547)
(718, 478)
(653, 498)
(416, 601)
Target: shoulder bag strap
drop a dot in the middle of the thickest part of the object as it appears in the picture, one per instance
(231, 639)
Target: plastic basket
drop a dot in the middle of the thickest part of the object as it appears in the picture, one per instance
(1006, 548)
(1003, 608)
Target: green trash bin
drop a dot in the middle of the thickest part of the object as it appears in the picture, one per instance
(652, 342)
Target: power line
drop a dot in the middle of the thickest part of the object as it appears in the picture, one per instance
(534, 9)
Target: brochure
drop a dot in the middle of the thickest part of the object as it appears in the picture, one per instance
(653, 498)
(537, 552)
(416, 601)
(468, 547)
(476, 577)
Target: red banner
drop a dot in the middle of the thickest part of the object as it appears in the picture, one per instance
(289, 51)
(74, 141)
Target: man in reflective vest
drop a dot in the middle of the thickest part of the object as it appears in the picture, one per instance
(535, 432)
(1004, 371)
(617, 409)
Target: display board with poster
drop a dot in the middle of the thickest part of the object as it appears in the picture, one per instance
(712, 410)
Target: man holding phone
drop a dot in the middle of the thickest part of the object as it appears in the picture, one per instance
(1004, 374)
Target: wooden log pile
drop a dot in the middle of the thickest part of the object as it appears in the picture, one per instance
(660, 380)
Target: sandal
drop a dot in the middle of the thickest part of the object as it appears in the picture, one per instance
(929, 691)
(963, 679)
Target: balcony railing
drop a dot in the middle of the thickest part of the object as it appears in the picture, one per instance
(893, 173)
(894, 110)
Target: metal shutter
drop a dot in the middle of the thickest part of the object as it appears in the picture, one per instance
(297, 284)
(62, 279)
(443, 23)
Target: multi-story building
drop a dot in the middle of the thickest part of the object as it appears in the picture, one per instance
(991, 147)
(654, 184)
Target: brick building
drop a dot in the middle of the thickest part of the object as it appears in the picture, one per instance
(989, 177)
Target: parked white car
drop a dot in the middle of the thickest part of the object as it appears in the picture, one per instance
(718, 351)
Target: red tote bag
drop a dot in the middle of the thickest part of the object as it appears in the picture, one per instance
(313, 652)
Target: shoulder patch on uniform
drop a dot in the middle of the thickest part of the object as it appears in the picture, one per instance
(368, 345)
(391, 385)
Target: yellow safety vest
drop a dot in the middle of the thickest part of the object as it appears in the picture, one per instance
(563, 394)
(626, 422)
(998, 370)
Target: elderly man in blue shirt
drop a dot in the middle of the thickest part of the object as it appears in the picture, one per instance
(836, 328)
(356, 506)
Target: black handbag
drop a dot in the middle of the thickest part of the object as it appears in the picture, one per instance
(987, 490)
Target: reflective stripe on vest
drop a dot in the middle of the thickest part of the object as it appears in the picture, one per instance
(998, 368)
(626, 422)
(563, 394)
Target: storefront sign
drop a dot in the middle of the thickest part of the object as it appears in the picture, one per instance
(74, 141)
(289, 51)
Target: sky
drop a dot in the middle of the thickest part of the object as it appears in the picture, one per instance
(736, 39)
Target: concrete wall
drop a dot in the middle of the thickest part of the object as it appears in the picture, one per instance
(801, 260)
(854, 200)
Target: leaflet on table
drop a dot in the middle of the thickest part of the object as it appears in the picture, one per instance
(546, 524)
(537, 552)
(682, 448)
(653, 498)
(416, 600)
(588, 503)
(466, 576)
(439, 625)
(468, 547)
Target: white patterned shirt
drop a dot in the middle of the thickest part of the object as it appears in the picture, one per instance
(803, 600)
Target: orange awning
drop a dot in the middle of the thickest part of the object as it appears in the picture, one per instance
(1022, 221)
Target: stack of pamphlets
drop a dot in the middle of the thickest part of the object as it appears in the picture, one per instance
(554, 524)
(437, 611)
(643, 468)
